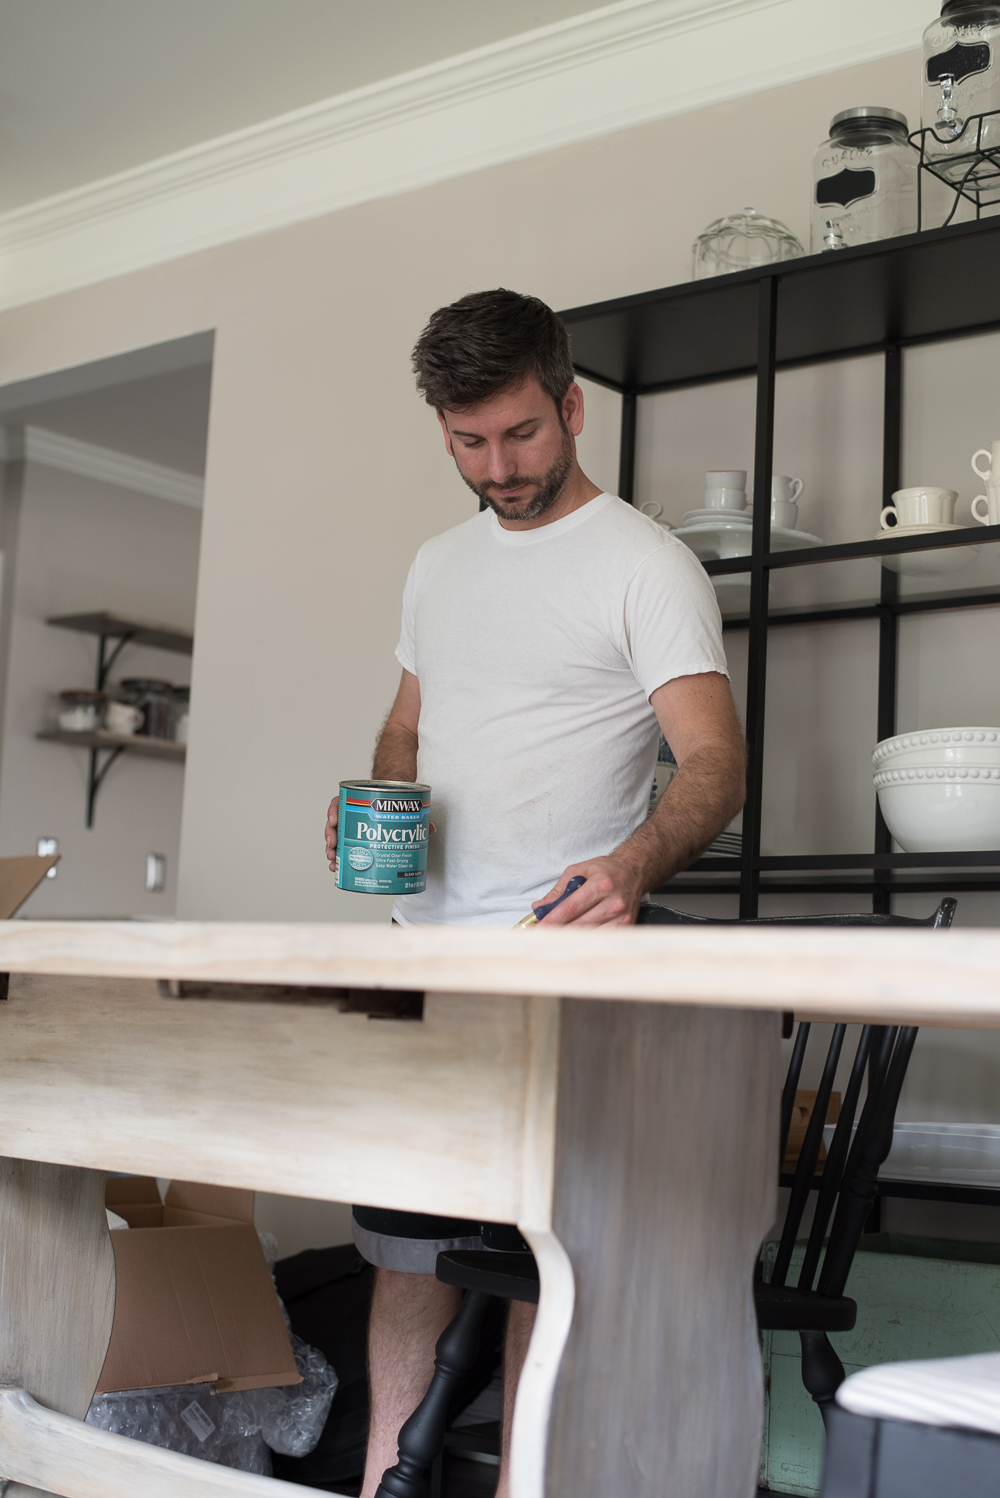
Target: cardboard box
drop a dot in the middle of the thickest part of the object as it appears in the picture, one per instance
(194, 1298)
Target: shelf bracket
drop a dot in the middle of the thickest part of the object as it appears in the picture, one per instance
(95, 777)
(104, 665)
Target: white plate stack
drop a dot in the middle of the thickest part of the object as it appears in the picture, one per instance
(939, 789)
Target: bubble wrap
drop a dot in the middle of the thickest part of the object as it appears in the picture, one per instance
(236, 1430)
(190, 1419)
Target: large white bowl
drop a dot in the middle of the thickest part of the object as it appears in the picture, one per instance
(941, 809)
(940, 746)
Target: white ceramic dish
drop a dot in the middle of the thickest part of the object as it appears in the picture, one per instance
(728, 538)
(943, 746)
(966, 1154)
(693, 516)
(927, 563)
(732, 589)
(938, 809)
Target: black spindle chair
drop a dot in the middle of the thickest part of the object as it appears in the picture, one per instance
(849, 1180)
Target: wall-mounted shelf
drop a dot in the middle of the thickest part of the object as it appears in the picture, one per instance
(134, 743)
(898, 293)
(118, 631)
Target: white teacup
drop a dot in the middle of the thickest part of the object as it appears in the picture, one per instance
(992, 456)
(919, 507)
(725, 499)
(726, 478)
(120, 717)
(991, 499)
(654, 510)
(784, 513)
(785, 489)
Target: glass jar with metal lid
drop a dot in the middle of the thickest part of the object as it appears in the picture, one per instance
(961, 81)
(864, 180)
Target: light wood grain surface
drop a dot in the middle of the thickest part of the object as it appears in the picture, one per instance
(665, 1184)
(57, 1288)
(948, 977)
(50, 1452)
(303, 1101)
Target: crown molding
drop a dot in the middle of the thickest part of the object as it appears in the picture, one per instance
(623, 65)
(38, 445)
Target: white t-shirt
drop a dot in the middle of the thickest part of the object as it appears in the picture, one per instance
(536, 653)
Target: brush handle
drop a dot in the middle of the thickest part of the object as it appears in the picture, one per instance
(541, 911)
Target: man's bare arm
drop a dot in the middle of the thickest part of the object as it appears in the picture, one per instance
(698, 718)
(395, 750)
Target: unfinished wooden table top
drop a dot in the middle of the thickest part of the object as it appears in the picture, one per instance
(926, 976)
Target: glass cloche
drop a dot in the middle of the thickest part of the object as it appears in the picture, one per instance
(742, 241)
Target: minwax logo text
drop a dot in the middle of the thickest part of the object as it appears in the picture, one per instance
(387, 804)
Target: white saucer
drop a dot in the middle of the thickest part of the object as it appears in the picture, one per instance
(716, 514)
(927, 563)
(732, 538)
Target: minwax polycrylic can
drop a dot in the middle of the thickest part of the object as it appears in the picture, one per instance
(382, 832)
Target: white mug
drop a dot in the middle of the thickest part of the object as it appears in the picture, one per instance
(726, 478)
(785, 513)
(122, 718)
(725, 499)
(991, 499)
(784, 489)
(919, 507)
(993, 457)
(654, 510)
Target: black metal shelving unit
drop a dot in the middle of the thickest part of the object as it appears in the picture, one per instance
(881, 298)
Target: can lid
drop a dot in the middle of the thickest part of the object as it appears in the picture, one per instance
(385, 785)
(873, 113)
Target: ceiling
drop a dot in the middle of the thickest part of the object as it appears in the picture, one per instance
(92, 87)
(162, 418)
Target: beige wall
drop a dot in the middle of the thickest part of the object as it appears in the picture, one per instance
(75, 546)
(325, 473)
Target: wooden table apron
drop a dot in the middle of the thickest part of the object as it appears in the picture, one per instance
(630, 1131)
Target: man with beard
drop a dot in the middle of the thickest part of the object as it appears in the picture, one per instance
(545, 645)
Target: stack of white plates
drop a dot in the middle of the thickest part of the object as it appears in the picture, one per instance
(939, 789)
(713, 517)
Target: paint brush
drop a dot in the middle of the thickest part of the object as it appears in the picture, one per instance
(539, 915)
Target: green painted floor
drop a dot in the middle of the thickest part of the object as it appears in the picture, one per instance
(917, 1298)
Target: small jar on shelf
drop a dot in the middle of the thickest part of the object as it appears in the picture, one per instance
(182, 709)
(80, 711)
(864, 180)
(155, 698)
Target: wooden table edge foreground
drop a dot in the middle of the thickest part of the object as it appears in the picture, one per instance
(942, 977)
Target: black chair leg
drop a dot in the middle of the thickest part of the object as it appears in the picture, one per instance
(422, 1436)
(822, 1370)
(439, 1474)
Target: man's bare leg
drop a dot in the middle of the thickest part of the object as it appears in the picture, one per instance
(409, 1313)
(520, 1321)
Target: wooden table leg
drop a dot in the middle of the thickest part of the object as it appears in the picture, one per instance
(664, 1184)
(57, 1286)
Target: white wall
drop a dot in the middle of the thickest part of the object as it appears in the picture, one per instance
(81, 546)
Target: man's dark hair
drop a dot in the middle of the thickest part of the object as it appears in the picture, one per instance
(487, 342)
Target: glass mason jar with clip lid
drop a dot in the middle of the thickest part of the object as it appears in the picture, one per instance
(961, 81)
(864, 180)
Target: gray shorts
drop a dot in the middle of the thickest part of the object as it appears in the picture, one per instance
(411, 1241)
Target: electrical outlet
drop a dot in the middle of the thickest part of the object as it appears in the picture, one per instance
(156, 872)
(46, 847)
